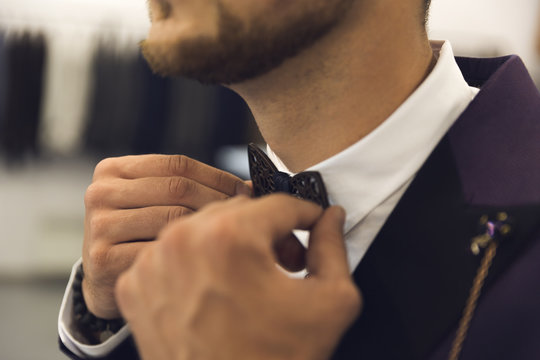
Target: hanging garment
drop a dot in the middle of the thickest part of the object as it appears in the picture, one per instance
(231, 127)
(134, 111)
(153, 120)
(3, 79)
(67, 87)
(116, 103)
(204, 119)
(18, 136)
(192, 113)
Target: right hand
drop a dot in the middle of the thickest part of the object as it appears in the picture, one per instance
(130, 200)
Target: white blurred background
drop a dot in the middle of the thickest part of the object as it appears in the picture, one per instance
(41, 210)
(41, 207)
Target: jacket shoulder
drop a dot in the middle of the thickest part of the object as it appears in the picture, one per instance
(496, 141)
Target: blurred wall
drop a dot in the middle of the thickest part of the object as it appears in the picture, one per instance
(488, 27)
(76, 15)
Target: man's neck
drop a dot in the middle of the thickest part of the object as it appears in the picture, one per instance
(336, 92)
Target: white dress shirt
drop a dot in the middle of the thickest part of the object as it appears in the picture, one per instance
(367, 179)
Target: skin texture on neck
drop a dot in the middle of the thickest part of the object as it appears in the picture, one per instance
(337, 91)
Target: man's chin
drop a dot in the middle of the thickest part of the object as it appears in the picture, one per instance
(158, 58)
(170, 59)
(232, 55)
(203, 60)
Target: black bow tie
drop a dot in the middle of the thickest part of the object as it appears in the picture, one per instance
(267, 179)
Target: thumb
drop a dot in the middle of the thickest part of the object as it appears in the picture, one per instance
(326, 255)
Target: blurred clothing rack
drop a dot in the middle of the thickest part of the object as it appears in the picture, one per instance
(97, 95)
(19, 120)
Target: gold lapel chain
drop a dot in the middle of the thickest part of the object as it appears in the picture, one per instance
(493, 233)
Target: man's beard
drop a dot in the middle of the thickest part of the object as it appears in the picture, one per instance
(238, 54)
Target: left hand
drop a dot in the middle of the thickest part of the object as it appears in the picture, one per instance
(209, 288)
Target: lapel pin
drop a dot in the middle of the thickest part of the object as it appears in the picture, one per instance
(491, 229)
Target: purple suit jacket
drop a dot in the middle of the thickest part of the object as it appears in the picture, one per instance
(416, 276)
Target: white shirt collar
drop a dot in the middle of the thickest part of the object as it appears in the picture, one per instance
(362, 176)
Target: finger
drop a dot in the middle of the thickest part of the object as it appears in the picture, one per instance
(135, 224)
(123, 255)
(134, 294)
(161, 191)
(102, 266)
(326, 255)
(125, 289)
(134, 167)
(290, 253)
(105, 262)
(278, 214)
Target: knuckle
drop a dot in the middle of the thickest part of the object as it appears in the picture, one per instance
(217, 237)
(222, 226)
(213, 207)
(178, 164)
(98, 224)
(220, 179)
(170, 234)
(179, 187)
(170, 245)
(226, 232)
(98, 259)
(172, 250)
(94, 195)
(105, 166)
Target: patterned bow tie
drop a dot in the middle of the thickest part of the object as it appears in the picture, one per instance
(267, 179)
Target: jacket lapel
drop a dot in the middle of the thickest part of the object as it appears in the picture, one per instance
(416, 275)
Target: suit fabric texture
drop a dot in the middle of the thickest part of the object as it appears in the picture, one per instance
(416, 276)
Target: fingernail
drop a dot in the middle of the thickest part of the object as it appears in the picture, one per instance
(242, 189)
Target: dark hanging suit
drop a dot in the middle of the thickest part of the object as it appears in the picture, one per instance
(416, 276)
(3, 78)
(25, 60)
(116, 103)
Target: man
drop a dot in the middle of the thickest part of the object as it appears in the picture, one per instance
(435, 178)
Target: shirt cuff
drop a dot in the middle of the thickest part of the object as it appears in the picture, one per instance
(67, 329)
